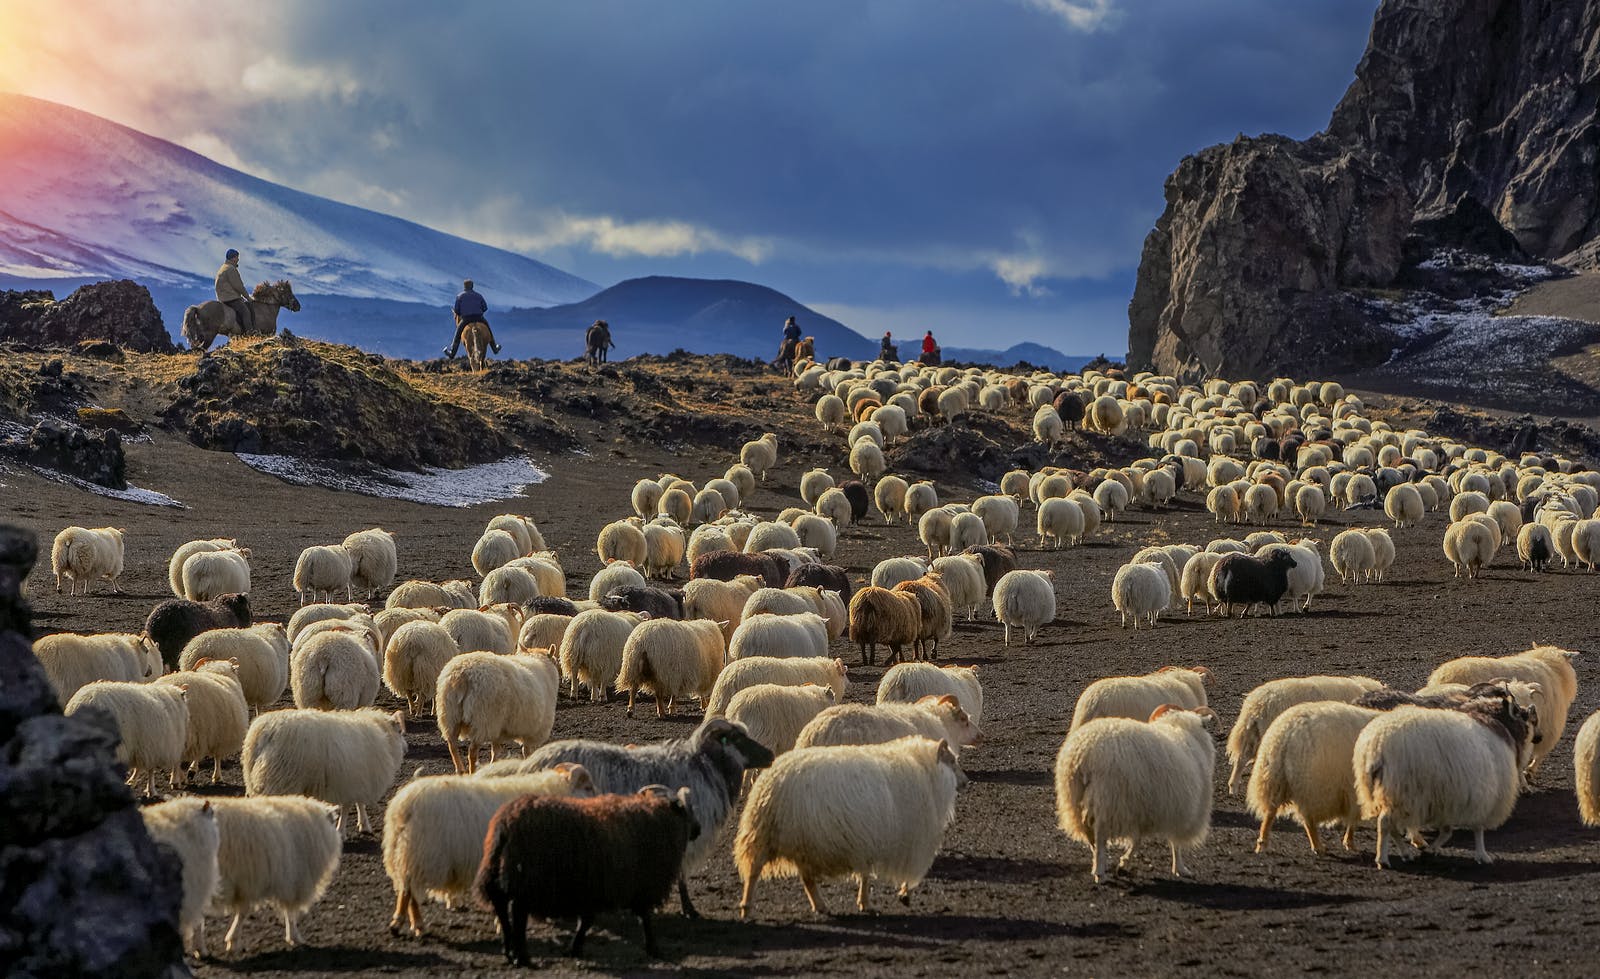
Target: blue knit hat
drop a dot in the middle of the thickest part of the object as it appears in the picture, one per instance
(232, 253)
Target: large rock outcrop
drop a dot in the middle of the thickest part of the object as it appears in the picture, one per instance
(119, 312)
(1468, 119)
(83, 889)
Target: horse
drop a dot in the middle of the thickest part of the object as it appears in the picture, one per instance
(806, 349)
(204, 323)
(596, 341)
(476, 337)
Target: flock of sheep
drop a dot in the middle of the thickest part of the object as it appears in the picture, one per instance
(578, 827)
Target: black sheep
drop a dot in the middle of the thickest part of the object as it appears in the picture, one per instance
(728, 565)
(177, 620)
(856, 492)
(1069, 405)
(565, 857)
(829, 576)
(1244, 579)
(550, 605)
(997, 560)
(660, 603)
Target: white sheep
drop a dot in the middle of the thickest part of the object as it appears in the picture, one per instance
(759, 456)
(776, 601)
(1310, 503)
(1469, 546)
(719, 601)
(218, 715)
(831, 412)
(1194, 581)
(334, 670)
(189, 826)
(1260, 503)
(968, 530)
(185, 551)
(345, 758)
(920, 498)
(488, 699)
(476, 631)
(276, 850)
(434, 827)
(152, 720)
(869, 810)
(309, 615)
(1047, 425)
(543, 630)
(941, 718)
(892, 420)
(1352, 556)
(323, 570)
(622, 540)
(672, 660)
(933, 529)
(591, 651)
(1382, 551)
(419, 595)
(617, 574)
(813, 484)
(1586, 770)
(1548, 666)
(412, 660)
(908, 683)
(1403, 504)
(73, 661)
(1137, 697)
(805, 634)
(1000, 516)
(1025, 600)
(1142, 590)
(818, 532)
(677, 505)
(770, 535)
(962, 577)
(1307, 577)
(1262, 706)
(1111, 497)
(496, 548)
(1303, 763)
(81, 554)
(1224, 504)
(1060, 521)
(262, 655)
(774, 714)
(374, 560)
(889, 494)
(892, 571)
(508, 584)
(793, 671)
(211, 574)
(1125, 779)
(1418, 768)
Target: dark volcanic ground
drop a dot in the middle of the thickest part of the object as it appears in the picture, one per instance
(1009, 894)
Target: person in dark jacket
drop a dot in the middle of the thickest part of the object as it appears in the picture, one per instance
(791, 340)
(469, 308)
(886, 347)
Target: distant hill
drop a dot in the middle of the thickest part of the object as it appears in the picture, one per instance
(85, 198)
(657, 314)
(1036, 354)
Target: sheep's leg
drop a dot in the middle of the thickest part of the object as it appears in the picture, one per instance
(291, 929)
(810, 887)
(455, 754)
(1439, 841)
(1266, 830)
(1350, 835)
(338, 822)
(1007, 640)
(402, 904)
(216, 769)
(230, 940)
(199, 939)
(650, 947)
(904, 894)
(502, 916)
(1383, 840)
(631, 694)
(363, 822)
(576, 949)
(1479, 853)
(58, 584)
(689, 910)
(863, 887)
(1314, 836)
(1127, 853)
(1179, 868)
(1098, 867)
(752, 877)
(517, 935)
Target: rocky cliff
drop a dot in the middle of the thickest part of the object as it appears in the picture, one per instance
(1470, 123)
(120, 312)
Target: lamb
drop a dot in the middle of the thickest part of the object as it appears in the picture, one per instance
(935, 717)
(1586, 770)
(477, 631)
(741, 674)
(211, 574)
(1104, 775)
(412, 660)
(277, 850)
(880, 615)
(1470, 547)
(622, 540)
(760, 455)
(185, 551)
(710, 763)
(907, 683)
(1141, 589)
(1137, 697)
(189, 826)
(72, 661)
(218, 715)
(1027, 600)
(727, 565)
(345, 758)
(1304, 763)
(1245, 579)
(1263, 705)
(891, 571)
(774, 714)
(261, 653)
(804, 634)
(890, 496)
(1060, 521)
(613, 853)
(434, 827)
(1547, 666)
(672, 660)
(1403, 505)
(81, 554)
(870, 810)
(374, 561)
(334, 670)
(592, 650)
(1352, 555)
(485, 698)
(152, 720)
(1448, 769)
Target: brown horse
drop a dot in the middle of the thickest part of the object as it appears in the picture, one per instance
(596, 342)
(476, 337)
(202, 324)
(806, 349)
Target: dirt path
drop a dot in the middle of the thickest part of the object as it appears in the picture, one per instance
(1009, 894)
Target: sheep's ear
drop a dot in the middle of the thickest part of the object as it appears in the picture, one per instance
(1161, 710)
(1205, 674)
(950, 699)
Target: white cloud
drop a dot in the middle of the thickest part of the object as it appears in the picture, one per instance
(652, 239)
(1022, 273)
(272, 78)
(214, 147)
(1082, 15)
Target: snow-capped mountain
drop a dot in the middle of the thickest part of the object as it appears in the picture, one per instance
(83, 197)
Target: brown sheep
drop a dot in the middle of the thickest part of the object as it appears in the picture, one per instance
(878, 615)
(935, 612)
(928, 401)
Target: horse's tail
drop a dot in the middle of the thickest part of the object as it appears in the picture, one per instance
(191, 327)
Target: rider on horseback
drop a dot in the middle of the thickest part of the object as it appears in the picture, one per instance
(469, 308)
(231, 291)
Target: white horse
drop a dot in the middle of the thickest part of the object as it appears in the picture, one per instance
(202, 324)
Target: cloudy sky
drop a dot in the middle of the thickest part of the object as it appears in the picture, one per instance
(986, 168)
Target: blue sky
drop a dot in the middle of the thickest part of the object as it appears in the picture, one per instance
(986, 168)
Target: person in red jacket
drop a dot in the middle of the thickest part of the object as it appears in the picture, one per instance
(928, 344)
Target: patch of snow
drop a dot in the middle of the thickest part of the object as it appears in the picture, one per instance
(133, 494)
(502, 480)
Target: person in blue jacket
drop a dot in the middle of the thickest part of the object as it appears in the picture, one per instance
(469, 308)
